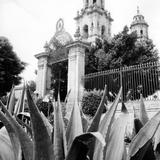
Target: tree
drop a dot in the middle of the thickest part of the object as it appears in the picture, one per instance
(124, 49)
(10, 67)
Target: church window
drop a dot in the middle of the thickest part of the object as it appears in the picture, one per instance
(94, 1)
(141, 31)
(85, 31)
(92, 25)
(102, 30)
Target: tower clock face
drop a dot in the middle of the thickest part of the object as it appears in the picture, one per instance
(59, 25)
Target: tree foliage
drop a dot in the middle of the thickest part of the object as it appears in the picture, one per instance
(91, 101)
(124, 49)
(10, 67)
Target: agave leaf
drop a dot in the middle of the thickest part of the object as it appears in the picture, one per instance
(124, 153)
(145, 153)
(141, 142)
(85, 122)
(60, 147)
(96, 119)
(136, 114)
(95, 122)
(74, 127)
(13, 137)
(25, 141)
(143, 113)
(6, 148)
(115, 146)
(16, 107)
(157, 140)
(21, 102)
(9, 96)
(11, 101)
(47, 124)
(79, 147)
(24, 125)
(137, 124)
(105, 127)
(67, 96)
(42, 143)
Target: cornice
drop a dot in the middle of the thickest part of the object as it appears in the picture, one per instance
(43, 54)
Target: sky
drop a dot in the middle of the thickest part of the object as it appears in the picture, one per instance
(28, 24)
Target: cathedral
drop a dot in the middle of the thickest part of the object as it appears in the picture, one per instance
(92, 21)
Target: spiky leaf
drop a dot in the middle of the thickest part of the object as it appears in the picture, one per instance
(141, 142)
(143, 113)
(13, 136)
(6, 148)
(26, 143)
(60, 147)
(95, 122)
(115, 146)
(74, 127)
(42, 143)
(79, 147)
(105, 127)
(11, 101)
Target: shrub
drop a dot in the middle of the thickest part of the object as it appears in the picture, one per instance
(45, 107)
(91, 101)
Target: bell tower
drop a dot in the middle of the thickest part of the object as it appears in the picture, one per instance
(93, 21)
(139, 25)
(88, 3)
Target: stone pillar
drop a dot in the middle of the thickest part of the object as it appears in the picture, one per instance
(76, 70)
(41, 83)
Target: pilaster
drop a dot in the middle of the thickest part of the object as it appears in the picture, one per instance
(76, 70)
(41, 83)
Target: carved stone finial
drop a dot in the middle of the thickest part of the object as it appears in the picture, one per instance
(46, 47)
(77, 35)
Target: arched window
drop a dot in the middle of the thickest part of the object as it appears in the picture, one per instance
(102, 30)
(94, 1)
(141, 32)
(92, 25)
(85, 31)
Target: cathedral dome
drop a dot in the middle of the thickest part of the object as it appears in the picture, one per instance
(61, 37)
(139, 19)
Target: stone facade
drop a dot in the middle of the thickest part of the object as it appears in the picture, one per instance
(139, 25)
(94, 21)
(43, 69)
(76, 66)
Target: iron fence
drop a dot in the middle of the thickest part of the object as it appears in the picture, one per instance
(143, 78)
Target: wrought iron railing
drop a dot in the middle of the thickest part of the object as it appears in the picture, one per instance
(143, 78)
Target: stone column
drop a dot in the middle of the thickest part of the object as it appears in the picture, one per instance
(76, 70)
(41, 82)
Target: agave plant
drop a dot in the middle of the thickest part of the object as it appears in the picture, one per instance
(103, 139)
